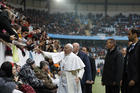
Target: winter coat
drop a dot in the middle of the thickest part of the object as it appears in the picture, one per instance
(27, 76)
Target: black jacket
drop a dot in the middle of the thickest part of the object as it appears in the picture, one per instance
(124, 77)
(6, 24)
(113, 67)
(86, 61)
(131, 64)
(138, 58)
(93, 68)
(137, 61)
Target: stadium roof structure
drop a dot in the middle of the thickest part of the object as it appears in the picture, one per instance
(110, 2)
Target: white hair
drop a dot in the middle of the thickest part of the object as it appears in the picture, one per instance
(77, 45)
(70, 45)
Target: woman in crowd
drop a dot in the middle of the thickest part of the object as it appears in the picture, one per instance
(7, 85)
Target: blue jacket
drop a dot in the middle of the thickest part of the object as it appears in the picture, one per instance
(87, 73)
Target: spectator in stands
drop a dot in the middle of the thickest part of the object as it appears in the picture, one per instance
(27, 74)
(56, 46)
(93, 70)
(18, 67)
(42, 74)
(7, 85)
(54, 68)
(113, 68)
(22, 87)
(5, 24)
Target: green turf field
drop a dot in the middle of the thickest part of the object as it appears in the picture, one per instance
(97, 87)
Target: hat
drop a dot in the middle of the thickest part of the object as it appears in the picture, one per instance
(30, 61)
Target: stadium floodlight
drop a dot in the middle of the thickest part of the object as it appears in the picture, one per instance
(59, 1)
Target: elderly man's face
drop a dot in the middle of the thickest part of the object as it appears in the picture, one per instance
(75, 47)
(67, 49)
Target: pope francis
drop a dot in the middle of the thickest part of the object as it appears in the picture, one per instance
(72, 69)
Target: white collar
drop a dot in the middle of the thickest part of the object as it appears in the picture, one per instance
(76, 53)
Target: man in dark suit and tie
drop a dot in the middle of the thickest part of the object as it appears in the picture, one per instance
(87, 78)
(133, 58)
(93, 70)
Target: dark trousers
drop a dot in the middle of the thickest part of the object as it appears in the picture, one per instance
(130, 89)
(112, 89)
(88, 88)
(83, 88)
(133, 89)
(124, 89)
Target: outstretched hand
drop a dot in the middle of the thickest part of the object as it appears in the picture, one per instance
(37, 50)
(12, 37)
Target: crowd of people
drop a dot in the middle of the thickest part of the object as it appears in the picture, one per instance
(90, 24)
(25, 69)
(32, 62)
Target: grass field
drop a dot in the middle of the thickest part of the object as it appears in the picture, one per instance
(97, 87)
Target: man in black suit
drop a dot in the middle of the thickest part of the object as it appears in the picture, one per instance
(93, 70)
(138, 60)
(87, 74)
(132, 59)
(124, 84)
(113, 68)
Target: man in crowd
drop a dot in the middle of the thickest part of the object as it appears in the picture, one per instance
(72, 69)
(123, 51)
(131, 78)
(6, 17)
(113, 68)
(93, 70)
(123, 81)
(124, 84)
(42, 74)
(27, 74)
(87, 75)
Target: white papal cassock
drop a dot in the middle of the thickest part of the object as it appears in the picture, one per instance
(71, 67)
